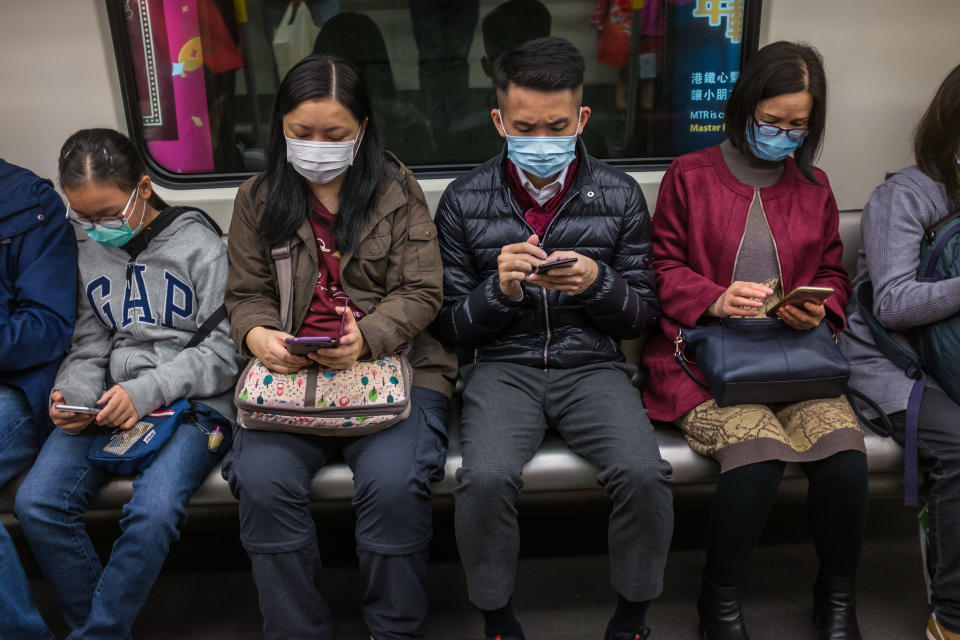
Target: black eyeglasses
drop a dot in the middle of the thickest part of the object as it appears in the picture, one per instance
(107, 222)
(771, 130)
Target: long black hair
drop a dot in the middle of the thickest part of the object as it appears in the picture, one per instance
(777, 69)
(103, 155)
(936, 144)
(315, 77)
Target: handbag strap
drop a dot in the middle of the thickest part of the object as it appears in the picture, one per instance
(678, 356)
(282, 258)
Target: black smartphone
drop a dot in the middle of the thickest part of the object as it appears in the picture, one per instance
(303, 346)
(553, 264)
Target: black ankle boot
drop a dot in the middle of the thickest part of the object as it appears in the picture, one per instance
(720, 617)
(835, 608)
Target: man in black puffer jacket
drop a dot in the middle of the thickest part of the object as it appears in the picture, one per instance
(546, 342)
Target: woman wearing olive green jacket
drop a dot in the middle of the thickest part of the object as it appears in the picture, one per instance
(366, 271)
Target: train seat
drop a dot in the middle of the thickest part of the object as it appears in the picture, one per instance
(554, 469)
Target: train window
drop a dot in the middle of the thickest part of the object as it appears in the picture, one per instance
(200, 76)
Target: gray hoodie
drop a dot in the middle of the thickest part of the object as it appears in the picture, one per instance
(892, 228)
(136, 315)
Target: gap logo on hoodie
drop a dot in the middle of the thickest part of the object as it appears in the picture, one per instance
(178, 300)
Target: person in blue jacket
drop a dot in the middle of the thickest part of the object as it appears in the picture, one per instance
(38, 249)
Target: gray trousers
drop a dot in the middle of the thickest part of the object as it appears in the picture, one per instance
(939, 447)
(507, 409)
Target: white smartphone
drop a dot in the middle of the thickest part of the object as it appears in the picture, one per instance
(73, 408)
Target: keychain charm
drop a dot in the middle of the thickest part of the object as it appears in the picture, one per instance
(214, 438)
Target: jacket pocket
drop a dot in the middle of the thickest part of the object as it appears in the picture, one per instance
(423, 243)
(376, 245)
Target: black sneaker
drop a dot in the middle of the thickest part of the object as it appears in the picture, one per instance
(503, 638)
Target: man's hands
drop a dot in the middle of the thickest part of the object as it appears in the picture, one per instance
(516, 263)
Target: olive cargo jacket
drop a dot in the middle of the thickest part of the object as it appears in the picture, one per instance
(395, 276)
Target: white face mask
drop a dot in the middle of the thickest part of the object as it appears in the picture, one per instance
(321, 162)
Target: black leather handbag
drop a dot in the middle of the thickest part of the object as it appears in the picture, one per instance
(764, 361)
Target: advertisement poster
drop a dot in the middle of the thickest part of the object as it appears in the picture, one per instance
(707, 41)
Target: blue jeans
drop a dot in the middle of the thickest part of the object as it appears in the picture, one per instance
(270, 473)
(102, 601)
(19, 442)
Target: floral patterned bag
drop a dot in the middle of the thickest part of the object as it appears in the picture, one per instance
(366, 398)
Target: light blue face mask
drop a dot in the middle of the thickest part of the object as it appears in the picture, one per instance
(117, 237)
(542, 156)
(771, 148)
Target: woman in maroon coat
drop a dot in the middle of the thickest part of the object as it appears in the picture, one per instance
(737, 226)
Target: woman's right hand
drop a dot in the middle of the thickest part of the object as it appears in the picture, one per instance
(72, 423)
(740, 299)
(270, 348)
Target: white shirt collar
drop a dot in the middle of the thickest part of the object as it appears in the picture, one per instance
(548, 190)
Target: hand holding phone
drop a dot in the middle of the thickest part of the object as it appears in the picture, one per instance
(75, 408)
(303, 346)
(800, 296)
(553, 264)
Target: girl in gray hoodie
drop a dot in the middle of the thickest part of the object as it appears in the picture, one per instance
(893, 223)
(149, 277)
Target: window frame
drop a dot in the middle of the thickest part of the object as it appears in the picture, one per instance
(749, 45)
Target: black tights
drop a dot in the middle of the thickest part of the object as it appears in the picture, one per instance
(836, 508)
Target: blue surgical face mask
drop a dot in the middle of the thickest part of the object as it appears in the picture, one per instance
(118, 237)
(542, 156)
(771, 148)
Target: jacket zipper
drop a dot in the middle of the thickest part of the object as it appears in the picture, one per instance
(546, 304)
(931, 232)
(938, 249)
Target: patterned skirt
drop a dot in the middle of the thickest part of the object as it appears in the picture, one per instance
(796, 432)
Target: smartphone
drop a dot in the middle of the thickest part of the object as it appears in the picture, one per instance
(78, 409)
(553, 264)
(801, 295)
(303, 346)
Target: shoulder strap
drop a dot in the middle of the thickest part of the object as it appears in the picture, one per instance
(281, 257)
(912, 367)
(208, 326)
(892, 350)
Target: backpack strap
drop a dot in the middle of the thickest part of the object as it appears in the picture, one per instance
(912, 367)
(282, 258)
(208, 326)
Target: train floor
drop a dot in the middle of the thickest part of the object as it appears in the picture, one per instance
(562, 593)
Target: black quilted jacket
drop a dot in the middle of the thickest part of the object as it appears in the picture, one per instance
(604, 217)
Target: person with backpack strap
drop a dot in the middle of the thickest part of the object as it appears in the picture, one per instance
(894, 319)
(150, 286)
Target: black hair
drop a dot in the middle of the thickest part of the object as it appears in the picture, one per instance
(512, 23)
(357, 38)
(777, 69)
(315, 77)
(103, 155)
(543, 64)
(936, 143)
